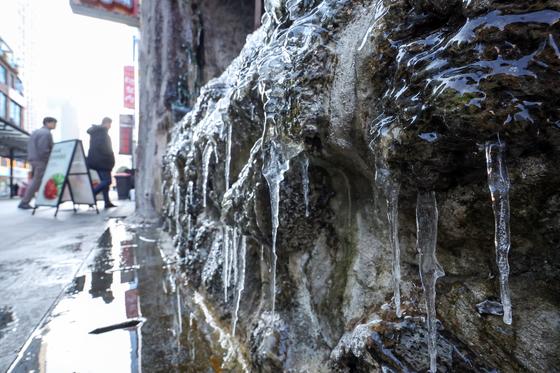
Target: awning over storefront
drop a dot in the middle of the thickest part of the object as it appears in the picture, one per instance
(13, 145)
(13, 141)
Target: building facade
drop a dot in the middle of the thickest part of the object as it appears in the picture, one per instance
(12, 101)
(12, 120)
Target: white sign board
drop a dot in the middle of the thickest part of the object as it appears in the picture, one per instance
(66, 177)
(55, 174)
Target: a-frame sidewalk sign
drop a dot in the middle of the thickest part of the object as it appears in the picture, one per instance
(66, 178)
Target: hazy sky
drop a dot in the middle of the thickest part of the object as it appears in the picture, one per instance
(76, 69)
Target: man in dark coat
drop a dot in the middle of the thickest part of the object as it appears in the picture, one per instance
(101, 157)
(38, 151)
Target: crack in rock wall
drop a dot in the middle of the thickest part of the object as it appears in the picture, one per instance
(383, 101)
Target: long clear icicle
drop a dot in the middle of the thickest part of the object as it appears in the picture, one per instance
(499, 184)
(225, 269)
(228, 156)
(274, 201)
(430, 269)
(241, 282)
(230, 242)
(393, 219)
(276, 163)
(178, 197)
(206, 155)
(233, 257)
(391, 188)
(188, 203)
(305, 182)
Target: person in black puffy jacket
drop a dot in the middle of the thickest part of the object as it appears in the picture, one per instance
(101, 157)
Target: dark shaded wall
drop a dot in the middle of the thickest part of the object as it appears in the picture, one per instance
(183, 45)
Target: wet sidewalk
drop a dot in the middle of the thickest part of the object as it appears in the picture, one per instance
(129, 309)
(120, 312)
(39, 256)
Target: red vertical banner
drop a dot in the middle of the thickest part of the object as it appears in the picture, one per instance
(129, 86)
(126, 126)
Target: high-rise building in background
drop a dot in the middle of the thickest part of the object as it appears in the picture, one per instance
(13, 168)
(30, 61)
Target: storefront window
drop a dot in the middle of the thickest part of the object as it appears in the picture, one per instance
(2, 105)
(15, 113)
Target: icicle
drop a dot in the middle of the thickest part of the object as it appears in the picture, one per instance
(225, 269)
(188, 203)
(305, 182)
(498, 183)
(189, 196)
(177, 187)
(430, 269)
(276, 163)
(179, 313)
(208, 151)
(234, 249)
(228, 155)
(241, 282)
(391, 187)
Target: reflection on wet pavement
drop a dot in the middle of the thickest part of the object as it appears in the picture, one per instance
(124, 312)
(6, 319)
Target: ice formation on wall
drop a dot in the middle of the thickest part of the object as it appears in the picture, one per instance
(277, 158)
(209, 150)
(305, 182)
(386, 181)
(430, 269)
(498, 183)
(240, 284)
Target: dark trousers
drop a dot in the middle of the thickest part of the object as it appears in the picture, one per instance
(38, 172)
(103, 186)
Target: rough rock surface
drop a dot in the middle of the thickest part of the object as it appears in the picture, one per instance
(410, 88)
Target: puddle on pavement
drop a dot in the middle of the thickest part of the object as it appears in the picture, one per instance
(125, 313)
(7, 320)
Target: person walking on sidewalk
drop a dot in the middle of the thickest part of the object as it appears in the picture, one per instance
(38, 150)
(101, 157)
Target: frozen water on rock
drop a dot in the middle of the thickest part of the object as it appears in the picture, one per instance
(354, 341)
(227, 233)
(189, 196)
(226, 341)
(292, 60)
(498, 183)
(386, 181)
(228, 155)
(305, 182)
(188, 204)
(490, 307)
(230, 258)
(215, 256)
(178, 198)
(430, 269)
(209, 150)
(380, 11)
(277, 158)
(241, 283)
(233, 257)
